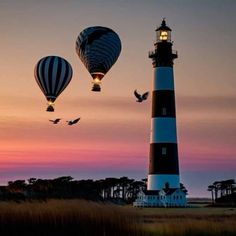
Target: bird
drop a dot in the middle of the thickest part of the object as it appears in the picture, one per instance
(140, 97)
(72, 122)
(55, 121)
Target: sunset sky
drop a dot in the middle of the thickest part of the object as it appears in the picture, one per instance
(112, 138)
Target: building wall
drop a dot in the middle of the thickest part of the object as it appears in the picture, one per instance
(176, 199)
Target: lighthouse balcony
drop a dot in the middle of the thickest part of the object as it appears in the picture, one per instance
(154, 53)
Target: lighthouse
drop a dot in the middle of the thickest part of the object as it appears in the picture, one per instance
(163, 186)
(163, 156)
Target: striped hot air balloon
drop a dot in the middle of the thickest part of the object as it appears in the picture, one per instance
(53, 74)
(98, 48)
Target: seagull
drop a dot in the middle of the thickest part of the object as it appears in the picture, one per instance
(55, 121)
(72, 122)
(141, 97)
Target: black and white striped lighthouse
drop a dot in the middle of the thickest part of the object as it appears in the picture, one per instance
(163, 159)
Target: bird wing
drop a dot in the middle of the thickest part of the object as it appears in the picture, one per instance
(75, 121)
(51, 120)
(137, 95)
(145, 95)
(57, 120)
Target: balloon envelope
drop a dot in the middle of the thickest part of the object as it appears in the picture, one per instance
(98, 48)
(53, 74)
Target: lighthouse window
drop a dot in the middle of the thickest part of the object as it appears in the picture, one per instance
(164, 35)
(164, 111)
(163, 151)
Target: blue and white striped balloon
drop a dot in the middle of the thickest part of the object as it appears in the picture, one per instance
(53, 74)
(98, 48)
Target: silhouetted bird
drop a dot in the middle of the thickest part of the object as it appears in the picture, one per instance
(140, 97)
(72, 122)
(55, 121)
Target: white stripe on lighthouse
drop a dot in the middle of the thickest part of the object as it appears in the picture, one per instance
(158, 181)
(163, 130)
(163, 78)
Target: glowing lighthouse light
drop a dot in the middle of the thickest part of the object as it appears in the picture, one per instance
(164, 35)
(163, 32)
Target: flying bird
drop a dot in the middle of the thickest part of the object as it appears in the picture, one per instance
(140, 97)
(55, 121)
(72, 122)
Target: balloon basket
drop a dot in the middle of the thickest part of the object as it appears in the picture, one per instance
(50, 108)
(96, 88)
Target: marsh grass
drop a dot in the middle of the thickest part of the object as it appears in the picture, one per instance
(79, 217)
(189, 221)
(70, 217)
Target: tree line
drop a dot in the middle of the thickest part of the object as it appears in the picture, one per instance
(223, 191)
(120, 190)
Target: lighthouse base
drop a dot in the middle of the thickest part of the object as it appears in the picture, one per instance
(173, 197)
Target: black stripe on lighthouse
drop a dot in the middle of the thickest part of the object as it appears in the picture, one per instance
(163, 158)
(163, 103)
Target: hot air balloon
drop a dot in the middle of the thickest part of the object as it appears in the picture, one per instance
(98, 48)
(53, 74)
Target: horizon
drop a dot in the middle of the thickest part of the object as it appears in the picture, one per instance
(112, 138)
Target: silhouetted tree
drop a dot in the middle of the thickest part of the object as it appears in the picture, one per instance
(124, 183)
(211, 189)
(32, 180)
(216, 185)
(134, 188)
(17, 186)
(112, 189)
(226, 188)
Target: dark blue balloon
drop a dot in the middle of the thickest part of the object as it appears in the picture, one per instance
(98, 48)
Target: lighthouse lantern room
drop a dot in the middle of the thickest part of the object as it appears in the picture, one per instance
(163, 32)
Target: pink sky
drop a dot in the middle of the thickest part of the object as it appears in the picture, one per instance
(112, 138)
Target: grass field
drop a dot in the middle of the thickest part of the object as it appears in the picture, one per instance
(78, 217)
(189, 221)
